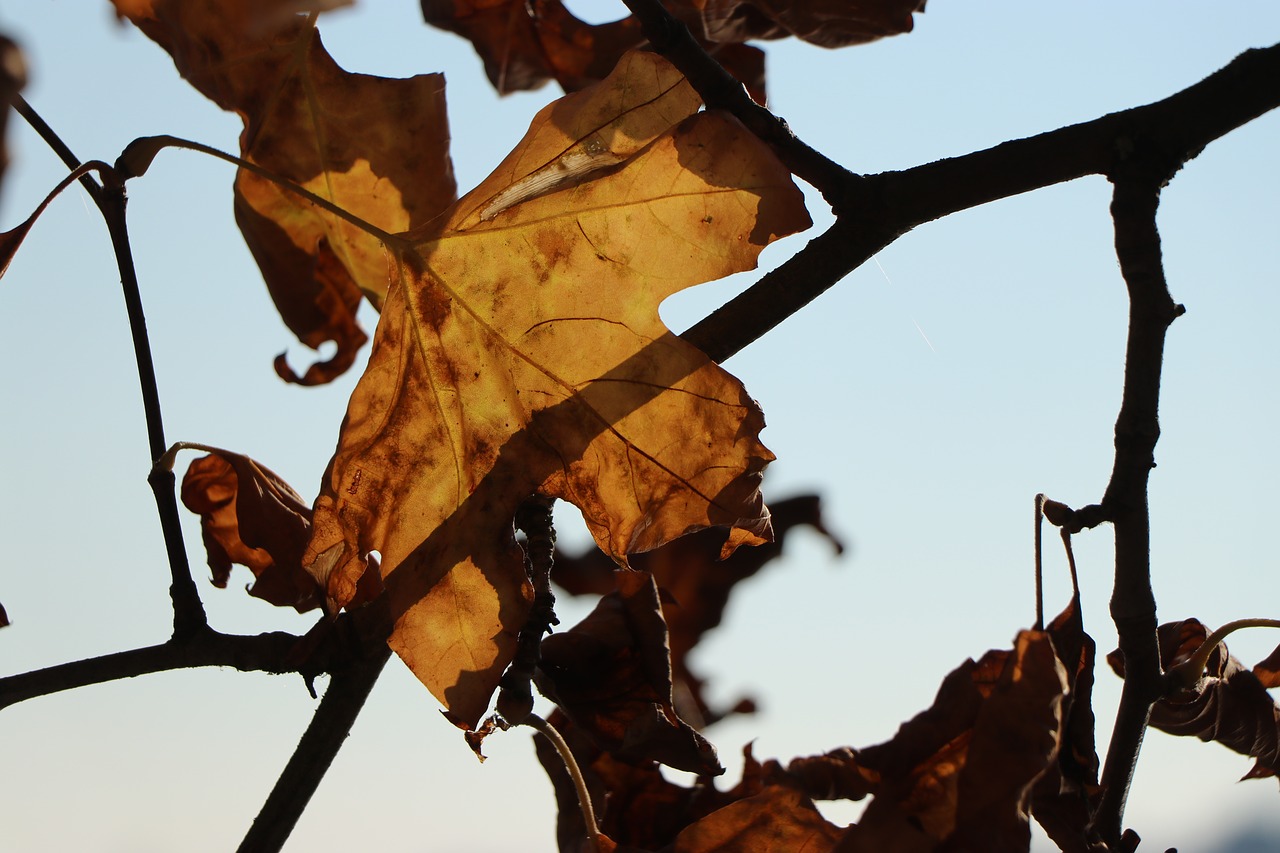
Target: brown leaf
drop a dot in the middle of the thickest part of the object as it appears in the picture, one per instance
(520, 351)
(611, 675)
(698, 583)
(1064, 799)
(1229, 705)
(13, 76)
(828, 23)
(249, 516)
(375, 146)
(634, 805)
(526, 43)
(959, 775)
(1268, 669)
(777, 820)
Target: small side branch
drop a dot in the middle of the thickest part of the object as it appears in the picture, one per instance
(329, 727)
(189, 618)
(1138, 180)
(720, 90)
(877, 209)
(259, 653)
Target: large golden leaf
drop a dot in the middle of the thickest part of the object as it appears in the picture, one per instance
(520, 350)
(375, 146)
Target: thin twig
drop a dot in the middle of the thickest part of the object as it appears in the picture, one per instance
(189, 618)
(1039, 563)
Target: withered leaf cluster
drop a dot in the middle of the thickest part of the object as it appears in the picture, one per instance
(526, 43)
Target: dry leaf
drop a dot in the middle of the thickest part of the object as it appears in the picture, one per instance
(1229, 705)
(525, 43)
(611, 675)
(828, 23)
(521, 351)
(13, 75)
(374, 146)
(249, 516)
(777, 820)
(698, 583)
(959, 775)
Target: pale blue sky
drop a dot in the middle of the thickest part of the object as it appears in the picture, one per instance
(928, 397)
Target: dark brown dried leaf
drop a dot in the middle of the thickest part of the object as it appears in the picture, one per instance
(958, 776)
(526, 43)
(776, 820)
(1229, 705)
(698, 584)
(827, 23)
(249, 516)
(611, 675)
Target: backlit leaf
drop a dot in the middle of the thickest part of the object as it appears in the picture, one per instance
(520, 351)
(777, 820)
(1229, 705)
(374, 146)
(249, 516)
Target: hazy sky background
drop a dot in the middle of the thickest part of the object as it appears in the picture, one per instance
(928, 397)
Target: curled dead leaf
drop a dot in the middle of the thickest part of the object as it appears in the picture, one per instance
(1229, 705)
(526, 43)
(249, 516)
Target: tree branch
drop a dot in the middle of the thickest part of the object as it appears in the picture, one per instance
(721, 90)
(880, 208)
(1138, 179)
(189, 617)
(259, 653)
(329, 727)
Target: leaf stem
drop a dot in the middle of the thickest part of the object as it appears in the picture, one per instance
(548, 731)
(1187, 673)
(137, 157)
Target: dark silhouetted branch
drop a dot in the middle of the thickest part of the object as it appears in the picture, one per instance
(189, 617)
(1138, 177)
(342, 703)
(877, 209)
(259, 653)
